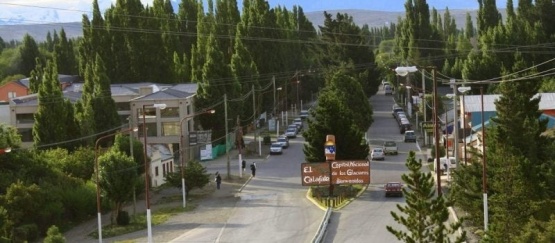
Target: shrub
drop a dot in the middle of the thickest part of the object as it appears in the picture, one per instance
(54, 236)
(123, 218)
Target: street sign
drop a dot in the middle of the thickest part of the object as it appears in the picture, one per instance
(350, 172)
(428, 126)
(342, 172)
(329, 147)
(315, 174)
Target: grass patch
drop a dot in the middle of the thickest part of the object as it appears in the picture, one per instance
(138, 222)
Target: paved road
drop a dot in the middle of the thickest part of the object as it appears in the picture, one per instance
(273, 206)
(365, 219)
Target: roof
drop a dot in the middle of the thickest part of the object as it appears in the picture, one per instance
(63, 78)
(472, 103)
(168, 93)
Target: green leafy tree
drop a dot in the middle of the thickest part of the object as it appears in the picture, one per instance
(28, 52)
(9, 137)
(195, 176)
(349, 139)
(424, 216)
(116, 173)
(54, 235)
(121, 143)
(106, 117)
(488, 16)
(64, 55)
(53, 110)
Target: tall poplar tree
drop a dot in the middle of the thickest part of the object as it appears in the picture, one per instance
(28, 52)
(53, 111)
(106, 118)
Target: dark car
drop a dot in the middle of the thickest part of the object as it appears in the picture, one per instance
(393, 189)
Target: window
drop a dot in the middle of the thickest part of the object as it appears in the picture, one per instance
(26, 134)
(150, 130)
(12, 94)
(170, 129)
(170, 112)
(123, 106)
(27, 118)
(156, 171)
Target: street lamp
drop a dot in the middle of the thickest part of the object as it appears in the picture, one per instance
(403, 71)
(147, 168)
(181, 146)
(463, 91)
(98, 207)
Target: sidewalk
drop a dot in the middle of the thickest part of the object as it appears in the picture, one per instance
(221, 200)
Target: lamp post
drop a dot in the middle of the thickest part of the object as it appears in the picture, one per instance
(403, 71)
(97, 171)
(463, 90)
(484, 163)
(182, 149)
(147, 168)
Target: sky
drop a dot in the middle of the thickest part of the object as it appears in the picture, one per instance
(48, 11)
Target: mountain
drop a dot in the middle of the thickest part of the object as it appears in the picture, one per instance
(360, 17)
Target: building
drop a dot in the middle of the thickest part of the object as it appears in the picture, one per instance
(472, 112)
(134, 106)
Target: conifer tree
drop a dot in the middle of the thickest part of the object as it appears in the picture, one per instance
(51, 112)
(28, 52)
(106, 117)
(424, 216)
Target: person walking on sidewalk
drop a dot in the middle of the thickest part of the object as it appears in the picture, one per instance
(244, 164)
(218, 180)
(253, 169)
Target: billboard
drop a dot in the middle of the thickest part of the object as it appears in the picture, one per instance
(342, 172)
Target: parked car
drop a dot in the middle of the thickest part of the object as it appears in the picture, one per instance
(393, 189)
(400, 117)
(390, 147)
(291, 132)
(396, 109)
(377, 154)
(388, 89)
(405, 126)
(298, 122)
(410, 136)
(276, 148)
(284, 141)
(303, 114)
(294, 127)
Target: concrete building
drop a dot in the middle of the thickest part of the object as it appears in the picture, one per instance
(163, 125)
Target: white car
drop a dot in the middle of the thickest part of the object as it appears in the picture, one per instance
(276, 148)
(291, 133)
(284, 141)
(294, 127)
(377, 154)
(303, 114)
(298, 122)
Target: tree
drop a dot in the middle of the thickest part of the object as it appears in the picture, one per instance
(116, 173)
(54, 235)
(106, 117)
(9, 137)
(28, 52)
(195, 176)
(121, 143)
(53, 110)
(325, 120)
(425, 215)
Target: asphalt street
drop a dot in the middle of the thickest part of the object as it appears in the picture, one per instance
(365, 219)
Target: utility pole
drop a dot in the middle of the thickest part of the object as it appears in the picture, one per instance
(239, 143)
(254, 109)
(436, 131)
(227, 138)
(274, 82)
(484, 168)
(455, 124)
(425, 110)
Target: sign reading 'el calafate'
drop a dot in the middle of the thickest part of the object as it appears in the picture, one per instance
(342, 172)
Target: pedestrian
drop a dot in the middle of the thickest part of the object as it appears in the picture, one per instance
(253, 169)
(218, 180)
(244, 165)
